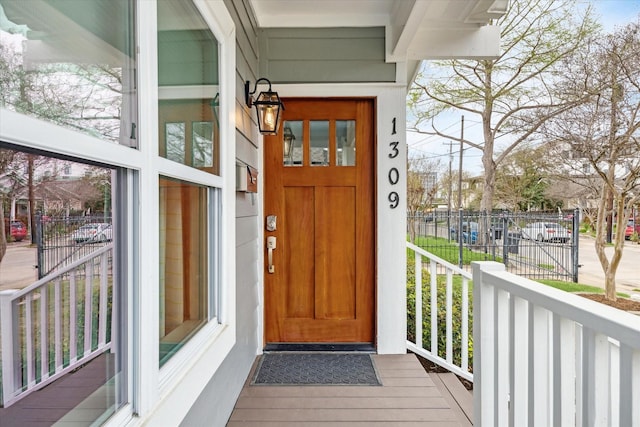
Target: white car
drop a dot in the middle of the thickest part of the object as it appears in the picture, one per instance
(546, 232)
(95, 232)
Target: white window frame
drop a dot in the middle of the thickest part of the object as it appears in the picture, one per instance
(193, 367)
(164, 395)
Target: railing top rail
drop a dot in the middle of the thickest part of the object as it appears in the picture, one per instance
(439, 260)
(49, 277)
(617, 324)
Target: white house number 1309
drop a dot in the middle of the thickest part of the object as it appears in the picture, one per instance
(394, 174)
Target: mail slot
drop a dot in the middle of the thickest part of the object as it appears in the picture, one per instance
(246, 179)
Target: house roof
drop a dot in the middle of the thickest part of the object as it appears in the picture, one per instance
(415, 29)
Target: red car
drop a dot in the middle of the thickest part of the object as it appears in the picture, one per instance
(632, 227)
(18, 230)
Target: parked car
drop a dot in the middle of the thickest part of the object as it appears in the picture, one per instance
(18, 230)
(632, 227)
(469, 232)
(95, 232)
(546, 232)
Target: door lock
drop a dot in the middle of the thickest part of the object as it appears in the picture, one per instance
(271, 245)
(271, 222)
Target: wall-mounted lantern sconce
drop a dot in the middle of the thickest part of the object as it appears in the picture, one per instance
(289, 141)
(268, 106)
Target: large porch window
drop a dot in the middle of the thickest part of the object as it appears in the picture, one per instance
(189, 136)
(185, 253)
(68, 115)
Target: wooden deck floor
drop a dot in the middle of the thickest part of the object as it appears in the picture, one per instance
(408, 397)
(77, 398)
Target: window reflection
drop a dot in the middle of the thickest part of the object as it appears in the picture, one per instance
(188, 85)
(184, 269)
(69, 68)
(175, 141)
(58, 214)
(345, 142)
(292, 143)
(319, 133)
(202, 144)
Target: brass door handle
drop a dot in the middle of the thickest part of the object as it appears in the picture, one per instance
(271, 246)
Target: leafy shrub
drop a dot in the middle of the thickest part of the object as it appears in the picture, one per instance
(442, 313)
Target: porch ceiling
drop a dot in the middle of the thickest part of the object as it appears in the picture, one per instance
(415, 29)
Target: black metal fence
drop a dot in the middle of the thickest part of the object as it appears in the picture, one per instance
(63, 240)
(537, 245)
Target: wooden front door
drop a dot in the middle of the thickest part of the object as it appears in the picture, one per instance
(319, 184)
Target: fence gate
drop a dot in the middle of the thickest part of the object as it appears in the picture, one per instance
(61, 241)
(537, 245)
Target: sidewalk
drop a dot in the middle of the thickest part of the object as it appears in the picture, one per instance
(627, 275)
(17, 268)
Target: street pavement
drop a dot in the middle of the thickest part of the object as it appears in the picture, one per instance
(17, 268)
(627, 275)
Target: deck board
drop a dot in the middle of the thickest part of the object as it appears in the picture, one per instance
(408, 397)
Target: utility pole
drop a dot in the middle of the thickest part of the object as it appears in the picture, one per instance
(460, 166)
(450, 193)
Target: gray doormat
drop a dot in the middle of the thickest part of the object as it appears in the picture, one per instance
(315, 369)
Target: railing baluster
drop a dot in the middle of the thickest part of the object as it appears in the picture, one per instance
(73, 317)
(634, 374)
(418, 292)
(464, 344)
(102, 317)
(520, 356)
(449, 317)
(88, 307)
(501, 356)
(8, 345)
(541, 367)
(44, 333)
(613, 412)
(433, 319)
(58, 324)
(564, 371)
(30, 362)
(595, 387)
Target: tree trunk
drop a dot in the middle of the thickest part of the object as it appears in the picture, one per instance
(32, 199)
(3, 235)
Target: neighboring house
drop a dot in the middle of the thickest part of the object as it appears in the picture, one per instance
(55, 197)
(155, 91)
(578, 183)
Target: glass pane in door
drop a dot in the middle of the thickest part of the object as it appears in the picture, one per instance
(346, 142)
(292, 151)
(319, 147)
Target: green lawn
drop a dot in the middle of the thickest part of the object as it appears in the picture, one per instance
(576, 287)
(448, 250)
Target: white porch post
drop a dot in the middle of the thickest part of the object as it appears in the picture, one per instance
(7, 350)
(484, 364)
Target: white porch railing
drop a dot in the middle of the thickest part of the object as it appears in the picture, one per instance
(56, 324)
(443, 300)
(546, 357)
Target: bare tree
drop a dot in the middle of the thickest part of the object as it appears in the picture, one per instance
(605, 134)
(6, 158)
(514, 94)
(422, 187)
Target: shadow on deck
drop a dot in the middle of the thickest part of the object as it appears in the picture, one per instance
(409, 396)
